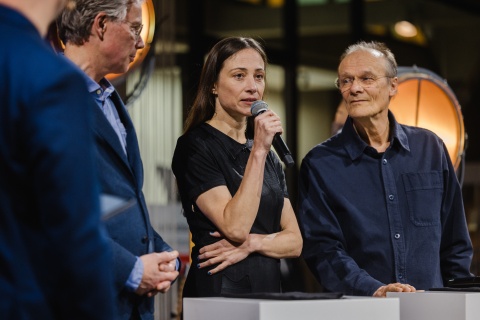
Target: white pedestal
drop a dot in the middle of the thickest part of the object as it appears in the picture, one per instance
(438, 305)
(349, 308)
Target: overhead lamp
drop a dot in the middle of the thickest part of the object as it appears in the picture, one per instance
(405, 29)
(425, 100)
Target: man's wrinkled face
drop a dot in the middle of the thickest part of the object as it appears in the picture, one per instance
(122, 40)
(365, 84)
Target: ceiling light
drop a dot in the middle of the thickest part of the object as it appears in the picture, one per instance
(425, 100)
(405, 29)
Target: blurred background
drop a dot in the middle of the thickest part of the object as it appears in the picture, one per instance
(437, 42)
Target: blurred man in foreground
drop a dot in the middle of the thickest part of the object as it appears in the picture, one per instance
(54, 255)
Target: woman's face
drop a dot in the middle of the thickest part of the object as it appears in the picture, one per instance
(241, 82)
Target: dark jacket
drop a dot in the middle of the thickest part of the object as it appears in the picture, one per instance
(131, 231)
(54, 254)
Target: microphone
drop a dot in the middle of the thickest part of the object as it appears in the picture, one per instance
(259, 107)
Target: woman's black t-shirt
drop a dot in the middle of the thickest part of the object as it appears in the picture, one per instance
(206, 158)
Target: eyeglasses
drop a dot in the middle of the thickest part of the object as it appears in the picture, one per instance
(365, 81)
(134, 29)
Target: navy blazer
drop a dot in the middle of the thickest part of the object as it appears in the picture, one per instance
(131, 231)
(54, 253)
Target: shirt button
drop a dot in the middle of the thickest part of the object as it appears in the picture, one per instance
(144, 239)
(400, 276)
(99, 92)
(391, 197)
(397, 235)
(384, 161)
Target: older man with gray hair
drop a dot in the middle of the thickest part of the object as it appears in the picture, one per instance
(102, 37)
(380, 205)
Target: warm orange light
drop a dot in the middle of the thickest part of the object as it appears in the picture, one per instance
(275, 3)
(405, 29)
(425, 100)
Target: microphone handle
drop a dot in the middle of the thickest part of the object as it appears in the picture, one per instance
(282, 150)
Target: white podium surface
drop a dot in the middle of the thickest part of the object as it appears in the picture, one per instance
(348, 308)
(438, 305)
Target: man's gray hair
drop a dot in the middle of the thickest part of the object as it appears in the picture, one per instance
(75, 22)
(376, 46)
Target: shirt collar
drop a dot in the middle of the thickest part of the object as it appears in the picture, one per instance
(355, 146)
(100, 91)
(232, 146)
(94, 87)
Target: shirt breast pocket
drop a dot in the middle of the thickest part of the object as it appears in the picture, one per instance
(424, 192)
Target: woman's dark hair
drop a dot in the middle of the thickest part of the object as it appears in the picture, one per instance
(203, 107)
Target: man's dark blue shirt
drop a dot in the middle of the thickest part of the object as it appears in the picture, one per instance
(369, 219)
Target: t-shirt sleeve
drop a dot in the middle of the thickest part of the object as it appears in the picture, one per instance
(195, 167)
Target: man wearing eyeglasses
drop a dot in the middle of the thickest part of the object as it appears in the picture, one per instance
(102, 37)
(380, 206)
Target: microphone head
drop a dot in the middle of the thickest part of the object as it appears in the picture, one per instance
(258, 107)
